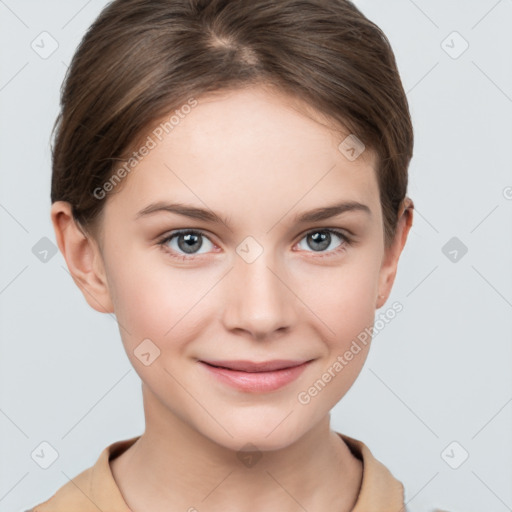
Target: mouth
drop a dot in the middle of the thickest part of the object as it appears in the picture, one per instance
(256, 377)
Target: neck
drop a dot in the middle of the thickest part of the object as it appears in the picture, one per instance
(173, 467)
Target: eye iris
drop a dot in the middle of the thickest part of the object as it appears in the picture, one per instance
(322, 237)
(189, 240)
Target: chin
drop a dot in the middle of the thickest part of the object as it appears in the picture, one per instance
(267, 433)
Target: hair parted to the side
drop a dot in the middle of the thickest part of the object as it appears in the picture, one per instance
(141, 59)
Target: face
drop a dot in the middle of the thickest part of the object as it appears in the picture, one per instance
(250, 281)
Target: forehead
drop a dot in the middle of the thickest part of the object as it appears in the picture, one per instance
(244, 148)
(260, 119)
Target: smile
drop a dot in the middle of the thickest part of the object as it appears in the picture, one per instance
(255, 377)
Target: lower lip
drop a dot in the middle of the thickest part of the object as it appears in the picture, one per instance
(257, 382)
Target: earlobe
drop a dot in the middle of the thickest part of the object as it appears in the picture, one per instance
(83, 258)
(392, 253)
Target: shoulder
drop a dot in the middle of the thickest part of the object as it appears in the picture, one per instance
(93, 489)
(71, 496)
(379, 489)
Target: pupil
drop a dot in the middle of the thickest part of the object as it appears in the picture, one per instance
(321, 237)
(188, 246)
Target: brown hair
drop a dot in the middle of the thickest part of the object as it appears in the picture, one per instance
(140, 59)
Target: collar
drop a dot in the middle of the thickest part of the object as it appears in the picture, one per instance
(95, 488)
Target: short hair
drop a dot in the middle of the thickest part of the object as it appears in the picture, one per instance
(141, 59)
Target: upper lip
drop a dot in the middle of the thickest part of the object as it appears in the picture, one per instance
(251, 366)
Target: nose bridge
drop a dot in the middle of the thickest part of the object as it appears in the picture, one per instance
(258, 301)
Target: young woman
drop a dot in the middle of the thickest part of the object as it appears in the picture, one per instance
(229, 179)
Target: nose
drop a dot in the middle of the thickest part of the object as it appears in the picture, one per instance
(258, 299)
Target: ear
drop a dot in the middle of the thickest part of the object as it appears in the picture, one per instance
(392, 253)
(83, 258)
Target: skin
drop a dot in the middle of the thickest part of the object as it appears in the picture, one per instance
(257, 158)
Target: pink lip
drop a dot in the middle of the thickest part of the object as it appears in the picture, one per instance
(256, 377)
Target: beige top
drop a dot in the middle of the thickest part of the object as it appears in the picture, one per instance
(95, 488)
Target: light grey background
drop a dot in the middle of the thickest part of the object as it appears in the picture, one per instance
(439, 372)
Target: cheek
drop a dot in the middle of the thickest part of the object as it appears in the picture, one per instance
(344, 298)
(347, 307)
(153, 300)
(141, 306)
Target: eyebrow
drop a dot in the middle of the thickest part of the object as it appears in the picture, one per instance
(193, 212)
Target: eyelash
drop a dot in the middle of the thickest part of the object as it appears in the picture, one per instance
(346, 241)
